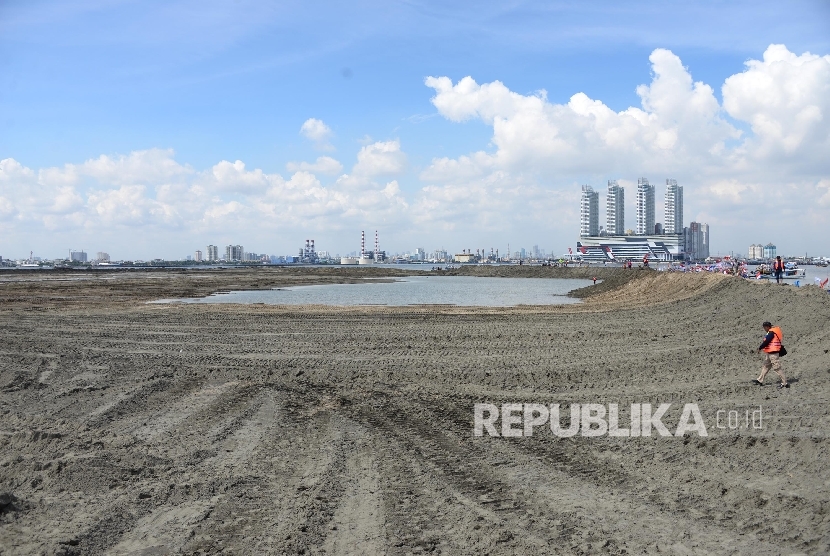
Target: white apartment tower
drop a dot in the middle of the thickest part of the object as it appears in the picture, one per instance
(645, 207)
(212, 253)
(673, 223)
(234, 253)
(697, 241)
(589, 212)
(615, 209)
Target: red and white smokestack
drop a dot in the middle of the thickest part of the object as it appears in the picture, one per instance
(362, 244)
(376, 245)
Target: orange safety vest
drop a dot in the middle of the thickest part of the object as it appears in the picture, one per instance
(775, 344)
(778, 265)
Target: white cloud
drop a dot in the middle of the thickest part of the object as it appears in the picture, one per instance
(317, 131)
(459, 169)
(383, 158)
(232, 177)
(786, 99)
(323, 165)
(138, 167)
(156, 194)
(11, 171)
(678, 120)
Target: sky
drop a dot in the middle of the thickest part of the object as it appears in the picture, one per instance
(151, 129)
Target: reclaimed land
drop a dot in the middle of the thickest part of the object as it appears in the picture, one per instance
(135, 428)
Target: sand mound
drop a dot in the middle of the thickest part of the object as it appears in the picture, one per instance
(650, 287)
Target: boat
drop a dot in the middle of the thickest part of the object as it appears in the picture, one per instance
(794, 274)
(791, 272)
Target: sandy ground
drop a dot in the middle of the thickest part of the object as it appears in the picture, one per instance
(128, 428)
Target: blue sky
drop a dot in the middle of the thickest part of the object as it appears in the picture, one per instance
(236, 80)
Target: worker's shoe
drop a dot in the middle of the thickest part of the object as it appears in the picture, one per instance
(782, 385)
(758, 382)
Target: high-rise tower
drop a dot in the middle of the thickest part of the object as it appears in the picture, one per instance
(673, 223)
(615, 209)
(589, 212)
(645, 207)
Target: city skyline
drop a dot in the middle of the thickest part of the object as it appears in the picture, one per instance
(665, 241)
(146, 129)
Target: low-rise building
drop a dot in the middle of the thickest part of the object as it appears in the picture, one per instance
(622, 248)
(465, 257)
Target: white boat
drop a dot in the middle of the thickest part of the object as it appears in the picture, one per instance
(794, 274)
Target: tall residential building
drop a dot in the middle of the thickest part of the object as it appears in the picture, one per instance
(756, 251)
(704, 232)
(102, 257)
(615, 209)
(645, 207)
(198, 256)
(212, 253)
(673, 223)
(696, 241)
(77, 256)
(234, 253)
(589, 212)
(769, 251)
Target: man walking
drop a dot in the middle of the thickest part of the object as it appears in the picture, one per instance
(778, 269)
(771, 346)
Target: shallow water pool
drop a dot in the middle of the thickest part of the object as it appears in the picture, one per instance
(413, 290)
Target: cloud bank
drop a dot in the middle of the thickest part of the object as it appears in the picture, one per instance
(754, 164)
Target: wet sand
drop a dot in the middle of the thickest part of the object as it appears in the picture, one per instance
(128, 428)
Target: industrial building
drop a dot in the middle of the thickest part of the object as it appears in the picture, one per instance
(308, 254)
(366, 257)
(466, 256)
